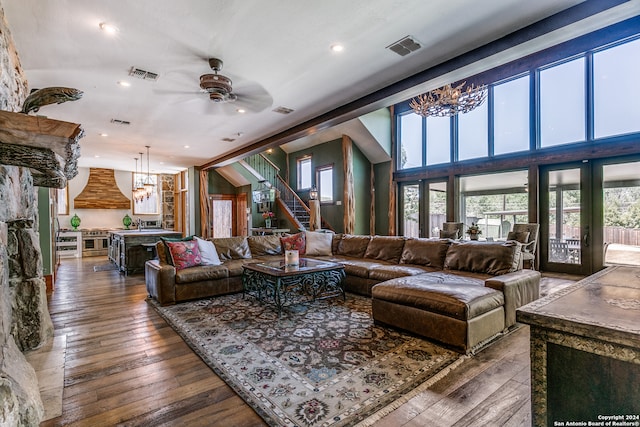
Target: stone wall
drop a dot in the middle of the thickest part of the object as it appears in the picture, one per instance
(167, 183)
(24, 319)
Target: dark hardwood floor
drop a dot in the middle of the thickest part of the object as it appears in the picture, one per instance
(125, 366)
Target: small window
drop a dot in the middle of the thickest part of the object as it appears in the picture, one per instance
(410, 141)
(615, 70)
(438, 140)
(145, 203)
(324, 177)
(511, 116)
(304, 173)
(562, 103)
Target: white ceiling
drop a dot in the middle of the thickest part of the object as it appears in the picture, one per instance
(275, 51)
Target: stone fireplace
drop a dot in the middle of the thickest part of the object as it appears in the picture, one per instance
(24, 318)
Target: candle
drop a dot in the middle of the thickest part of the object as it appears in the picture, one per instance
(291, 258)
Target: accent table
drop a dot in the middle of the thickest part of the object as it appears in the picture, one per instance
(585, 351)
(275, 283)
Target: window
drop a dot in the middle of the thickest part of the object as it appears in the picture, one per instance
(411, 210)
(495, 202)
(562, 103)
(62, 201)
(438, 140)
(147, 204)
(410, 141)
(473, 133)
(616, 90)
(324, 178)
(437, 207)
(511, 116)
(304, 173)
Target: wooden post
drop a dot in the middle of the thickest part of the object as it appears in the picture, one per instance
(372, 214)
(393, 205)
(204, 203)
(349, 196)
(314, 215)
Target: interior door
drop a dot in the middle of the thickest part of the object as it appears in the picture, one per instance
(565, 230)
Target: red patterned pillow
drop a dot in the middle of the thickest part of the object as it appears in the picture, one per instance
(294, 242)
(184, 254)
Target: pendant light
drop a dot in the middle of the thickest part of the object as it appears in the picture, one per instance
(148, 185)
(140, 190)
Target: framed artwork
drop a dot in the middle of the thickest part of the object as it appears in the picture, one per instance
(62, 200)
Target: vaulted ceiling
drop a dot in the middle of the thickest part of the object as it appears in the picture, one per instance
(277, 54)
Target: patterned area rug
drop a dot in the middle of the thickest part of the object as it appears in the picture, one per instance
(321, 364)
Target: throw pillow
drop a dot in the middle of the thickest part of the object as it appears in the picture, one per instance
(518, 236)
(449, 234)
(184, 254)
(294, 242)
(208, 252)
(318, 244)
(164, 240)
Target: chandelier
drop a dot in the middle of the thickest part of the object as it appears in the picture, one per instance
(448, 101)
(138, 188)
(148, 185)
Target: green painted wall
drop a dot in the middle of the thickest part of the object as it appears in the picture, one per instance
(330, 153)
(382, 172)
(44, 230)
(362, 190)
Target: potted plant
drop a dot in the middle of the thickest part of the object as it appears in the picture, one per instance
(474, 231)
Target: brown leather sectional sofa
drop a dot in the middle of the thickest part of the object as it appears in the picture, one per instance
(459, 293)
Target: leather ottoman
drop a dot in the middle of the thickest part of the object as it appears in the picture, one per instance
(458, 312)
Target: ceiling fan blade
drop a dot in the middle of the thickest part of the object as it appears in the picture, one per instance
(252, 97)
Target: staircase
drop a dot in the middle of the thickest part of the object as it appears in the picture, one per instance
(293, 207)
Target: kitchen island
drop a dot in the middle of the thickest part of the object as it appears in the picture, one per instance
(585, 351)
(130, 249)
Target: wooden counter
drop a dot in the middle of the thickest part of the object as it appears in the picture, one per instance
(585, 351)
(130, 249)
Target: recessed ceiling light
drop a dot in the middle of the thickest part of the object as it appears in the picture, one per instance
(186, 146)
(104, 134)
(96, 156)
(124, 83)
(241, 110)
(108, 28)
(162, 163)
(336, 47)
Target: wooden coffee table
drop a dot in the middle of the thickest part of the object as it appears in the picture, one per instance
(273, 282)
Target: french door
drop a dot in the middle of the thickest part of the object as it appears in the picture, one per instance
(566, 219)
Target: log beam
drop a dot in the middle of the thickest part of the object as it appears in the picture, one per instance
(50, 148)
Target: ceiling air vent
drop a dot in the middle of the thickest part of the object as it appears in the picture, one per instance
(228, 139)
(405, 46)
(120, 122)
(143, 74)
(283, 110)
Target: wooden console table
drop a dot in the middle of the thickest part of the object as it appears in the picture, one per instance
(262, 231)
(585, 351)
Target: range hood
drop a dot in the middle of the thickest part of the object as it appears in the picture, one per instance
(101, 192)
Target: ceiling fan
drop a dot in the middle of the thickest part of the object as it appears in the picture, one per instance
(227, 97)
(218, 87)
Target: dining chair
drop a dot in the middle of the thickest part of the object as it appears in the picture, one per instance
(529, 245)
